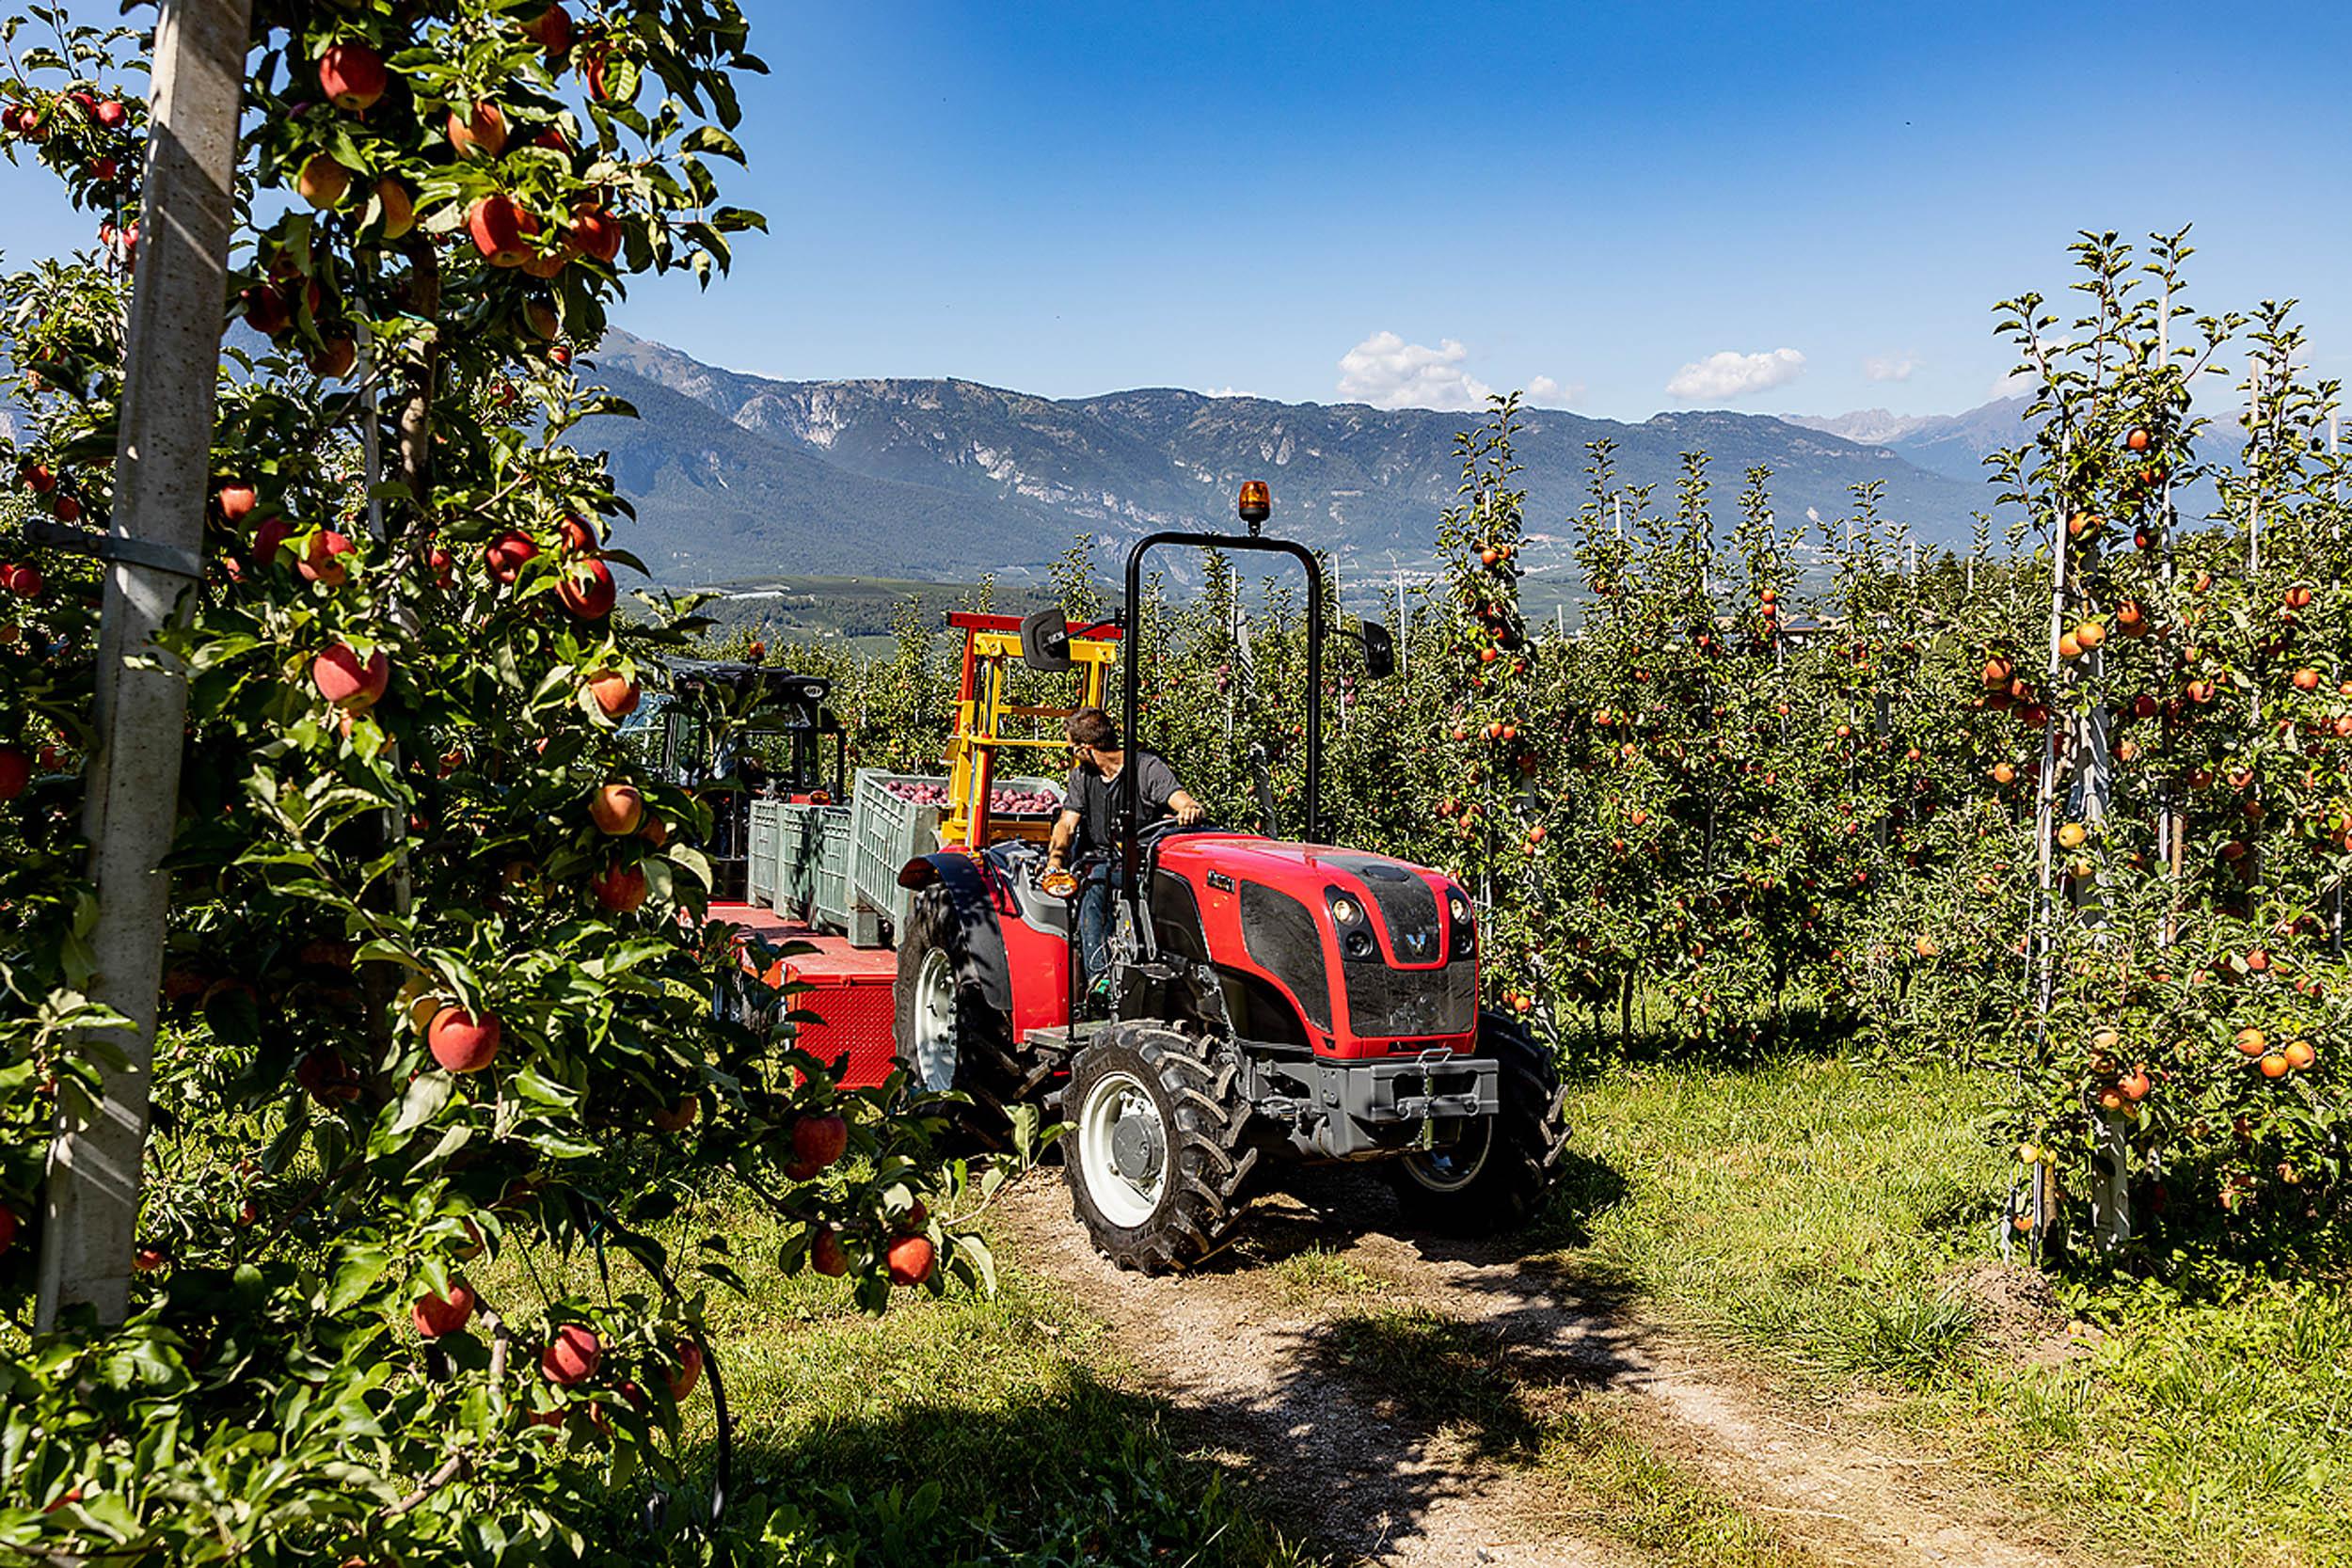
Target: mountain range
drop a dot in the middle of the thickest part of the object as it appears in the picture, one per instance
(741, 478)
(737, 477)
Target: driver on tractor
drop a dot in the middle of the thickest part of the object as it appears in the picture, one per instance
(1089, 823)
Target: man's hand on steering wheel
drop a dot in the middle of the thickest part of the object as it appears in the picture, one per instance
(1190, 812)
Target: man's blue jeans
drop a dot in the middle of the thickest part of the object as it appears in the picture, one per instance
(1096, 885)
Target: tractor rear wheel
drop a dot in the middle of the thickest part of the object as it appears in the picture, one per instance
(1497, 1177)
(1152, 1157)
(948, 1038)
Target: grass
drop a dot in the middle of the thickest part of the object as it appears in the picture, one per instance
(1818, 1216)
(967, 1429)
(1619, 1483)
(1317, 1275)
(1824, 1222)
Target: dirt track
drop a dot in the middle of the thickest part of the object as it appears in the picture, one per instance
(1258, 1377)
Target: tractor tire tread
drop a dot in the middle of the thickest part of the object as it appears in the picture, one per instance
(1531, 1135)
(987, 1069)
(1200, 1204)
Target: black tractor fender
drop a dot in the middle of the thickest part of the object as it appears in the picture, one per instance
(984, 939)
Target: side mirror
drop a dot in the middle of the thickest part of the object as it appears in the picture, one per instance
(1045, 641)
(1379, 651)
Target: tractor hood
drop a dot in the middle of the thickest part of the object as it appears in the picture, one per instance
(1416, 918)
(1370, 955)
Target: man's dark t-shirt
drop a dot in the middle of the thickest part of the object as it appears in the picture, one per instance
(1096, 800)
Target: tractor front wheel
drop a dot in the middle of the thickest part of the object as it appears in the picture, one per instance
(1497, 1177)
(1155, 1170)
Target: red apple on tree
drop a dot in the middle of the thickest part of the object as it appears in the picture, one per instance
(267, 312)
(482, 131)
(326, 1077)
(571, 1359)
(619, 888)
(269, 537)
(321, 559)
(398, 209)
(351, 76)
(817, 1141)
(587, 591)
(323, 181)
(825, 1253)
(546, 264)
(508, 552)
(595, 232)
(333, 359)
(461, 1041)
(236, 500)
(552, 29)
(617, 809)
(16, 771)
(616, 694)
(345, 681)
(500, 230)
(688, 1373)
(438, 1315)
(909, 1259)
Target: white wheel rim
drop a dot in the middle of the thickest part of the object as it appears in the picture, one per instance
(1125, 1201)
(935, 1023)
(1449, 1170)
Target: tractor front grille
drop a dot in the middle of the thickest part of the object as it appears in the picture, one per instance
(1403, 1003)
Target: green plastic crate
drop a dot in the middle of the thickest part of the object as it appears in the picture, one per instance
(885, 833)
(761, 868)
(829, 898)
(800, 845)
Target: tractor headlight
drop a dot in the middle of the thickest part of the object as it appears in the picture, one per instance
(1457, 906)
(1347, 910)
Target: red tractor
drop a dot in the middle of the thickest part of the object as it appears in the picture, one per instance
(1269, 1001)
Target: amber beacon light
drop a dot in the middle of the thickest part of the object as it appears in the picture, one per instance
(1257, 502)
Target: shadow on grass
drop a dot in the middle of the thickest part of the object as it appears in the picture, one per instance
(1082, 1473)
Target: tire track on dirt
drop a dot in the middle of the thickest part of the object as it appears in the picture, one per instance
(1259, 1375)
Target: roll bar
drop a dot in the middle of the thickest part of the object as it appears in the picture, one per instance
(1130, 853)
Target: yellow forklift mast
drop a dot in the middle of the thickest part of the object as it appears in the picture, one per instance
(989, 721)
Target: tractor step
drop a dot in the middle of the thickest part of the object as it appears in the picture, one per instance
(1061, 1040)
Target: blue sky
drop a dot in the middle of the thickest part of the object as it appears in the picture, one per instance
(1077, 198)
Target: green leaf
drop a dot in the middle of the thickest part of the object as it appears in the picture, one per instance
(356, 1273)
(709, 138)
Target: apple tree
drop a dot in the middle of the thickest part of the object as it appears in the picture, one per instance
(444, 1001)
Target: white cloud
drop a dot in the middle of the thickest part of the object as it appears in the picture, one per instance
(1890, 367)
(1227, 392)
(1730, 375)
(1547, 393)
(1386, 372)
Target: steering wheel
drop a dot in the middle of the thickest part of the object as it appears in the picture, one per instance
(1150, 834)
